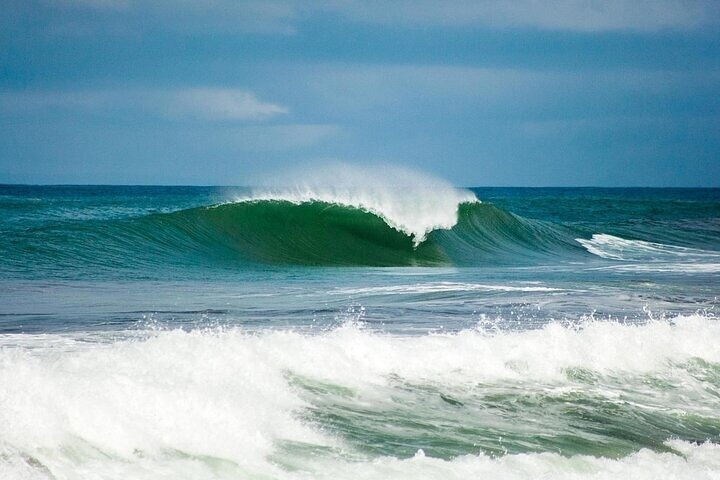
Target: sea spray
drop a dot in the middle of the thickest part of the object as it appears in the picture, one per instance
(237, 402)
(409, 201)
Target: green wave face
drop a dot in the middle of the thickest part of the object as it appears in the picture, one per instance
(277, 232)
(317, 233)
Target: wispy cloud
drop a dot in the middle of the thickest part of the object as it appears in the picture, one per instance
(199, 104)
(95, 4)
(581, 15)
(219, 104)
(364, 93)
(131, 16)
(283, 16)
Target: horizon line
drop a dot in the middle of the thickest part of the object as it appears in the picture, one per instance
(180, 185)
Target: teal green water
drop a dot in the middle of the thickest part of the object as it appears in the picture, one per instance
(110, 228)
(182, 332)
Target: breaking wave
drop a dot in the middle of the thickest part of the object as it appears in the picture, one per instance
(301, 232)
(341, 216)
(602, 400)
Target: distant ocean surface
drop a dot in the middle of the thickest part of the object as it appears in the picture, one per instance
(359, 331)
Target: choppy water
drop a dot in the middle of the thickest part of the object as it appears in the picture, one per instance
(359, 332)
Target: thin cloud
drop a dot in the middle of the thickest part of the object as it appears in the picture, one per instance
(283, 16)
(222, 104)
(133, 16)
(578, 15)
(95, 4)
(200, 104)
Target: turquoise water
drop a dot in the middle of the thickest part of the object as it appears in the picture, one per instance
(365, 332)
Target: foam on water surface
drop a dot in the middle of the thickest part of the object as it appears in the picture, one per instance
(225, 402)
(386, 325)
(616, 248)
(699, 462)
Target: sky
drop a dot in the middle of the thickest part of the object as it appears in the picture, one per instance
(482, 93)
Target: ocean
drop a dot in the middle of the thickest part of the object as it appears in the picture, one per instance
(359, 331)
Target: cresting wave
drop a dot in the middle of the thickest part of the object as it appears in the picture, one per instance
(408, 201)
(341, 217)
(309, 229)
(318, 229)
(278, 230)
(602, 401)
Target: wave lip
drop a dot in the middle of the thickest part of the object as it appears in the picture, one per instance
(408, 201)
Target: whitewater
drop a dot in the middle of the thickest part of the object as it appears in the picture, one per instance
(358, 324)
(408, 201)
(224, 403)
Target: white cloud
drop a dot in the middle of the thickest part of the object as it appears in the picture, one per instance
(220, 104)
(203, 104)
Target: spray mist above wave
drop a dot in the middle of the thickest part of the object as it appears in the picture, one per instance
(409, 201)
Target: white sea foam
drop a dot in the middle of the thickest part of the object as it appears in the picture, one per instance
(699, 462)
(440, 287)
(409, 201)
(216, 404)
(665, 267)
(617, 248)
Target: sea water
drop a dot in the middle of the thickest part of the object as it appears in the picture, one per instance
(344, 330)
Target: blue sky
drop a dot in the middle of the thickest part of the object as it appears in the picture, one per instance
(484, 92)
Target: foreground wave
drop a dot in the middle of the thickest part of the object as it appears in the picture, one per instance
(603, 400)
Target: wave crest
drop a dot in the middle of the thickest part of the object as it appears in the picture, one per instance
(408, 201)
